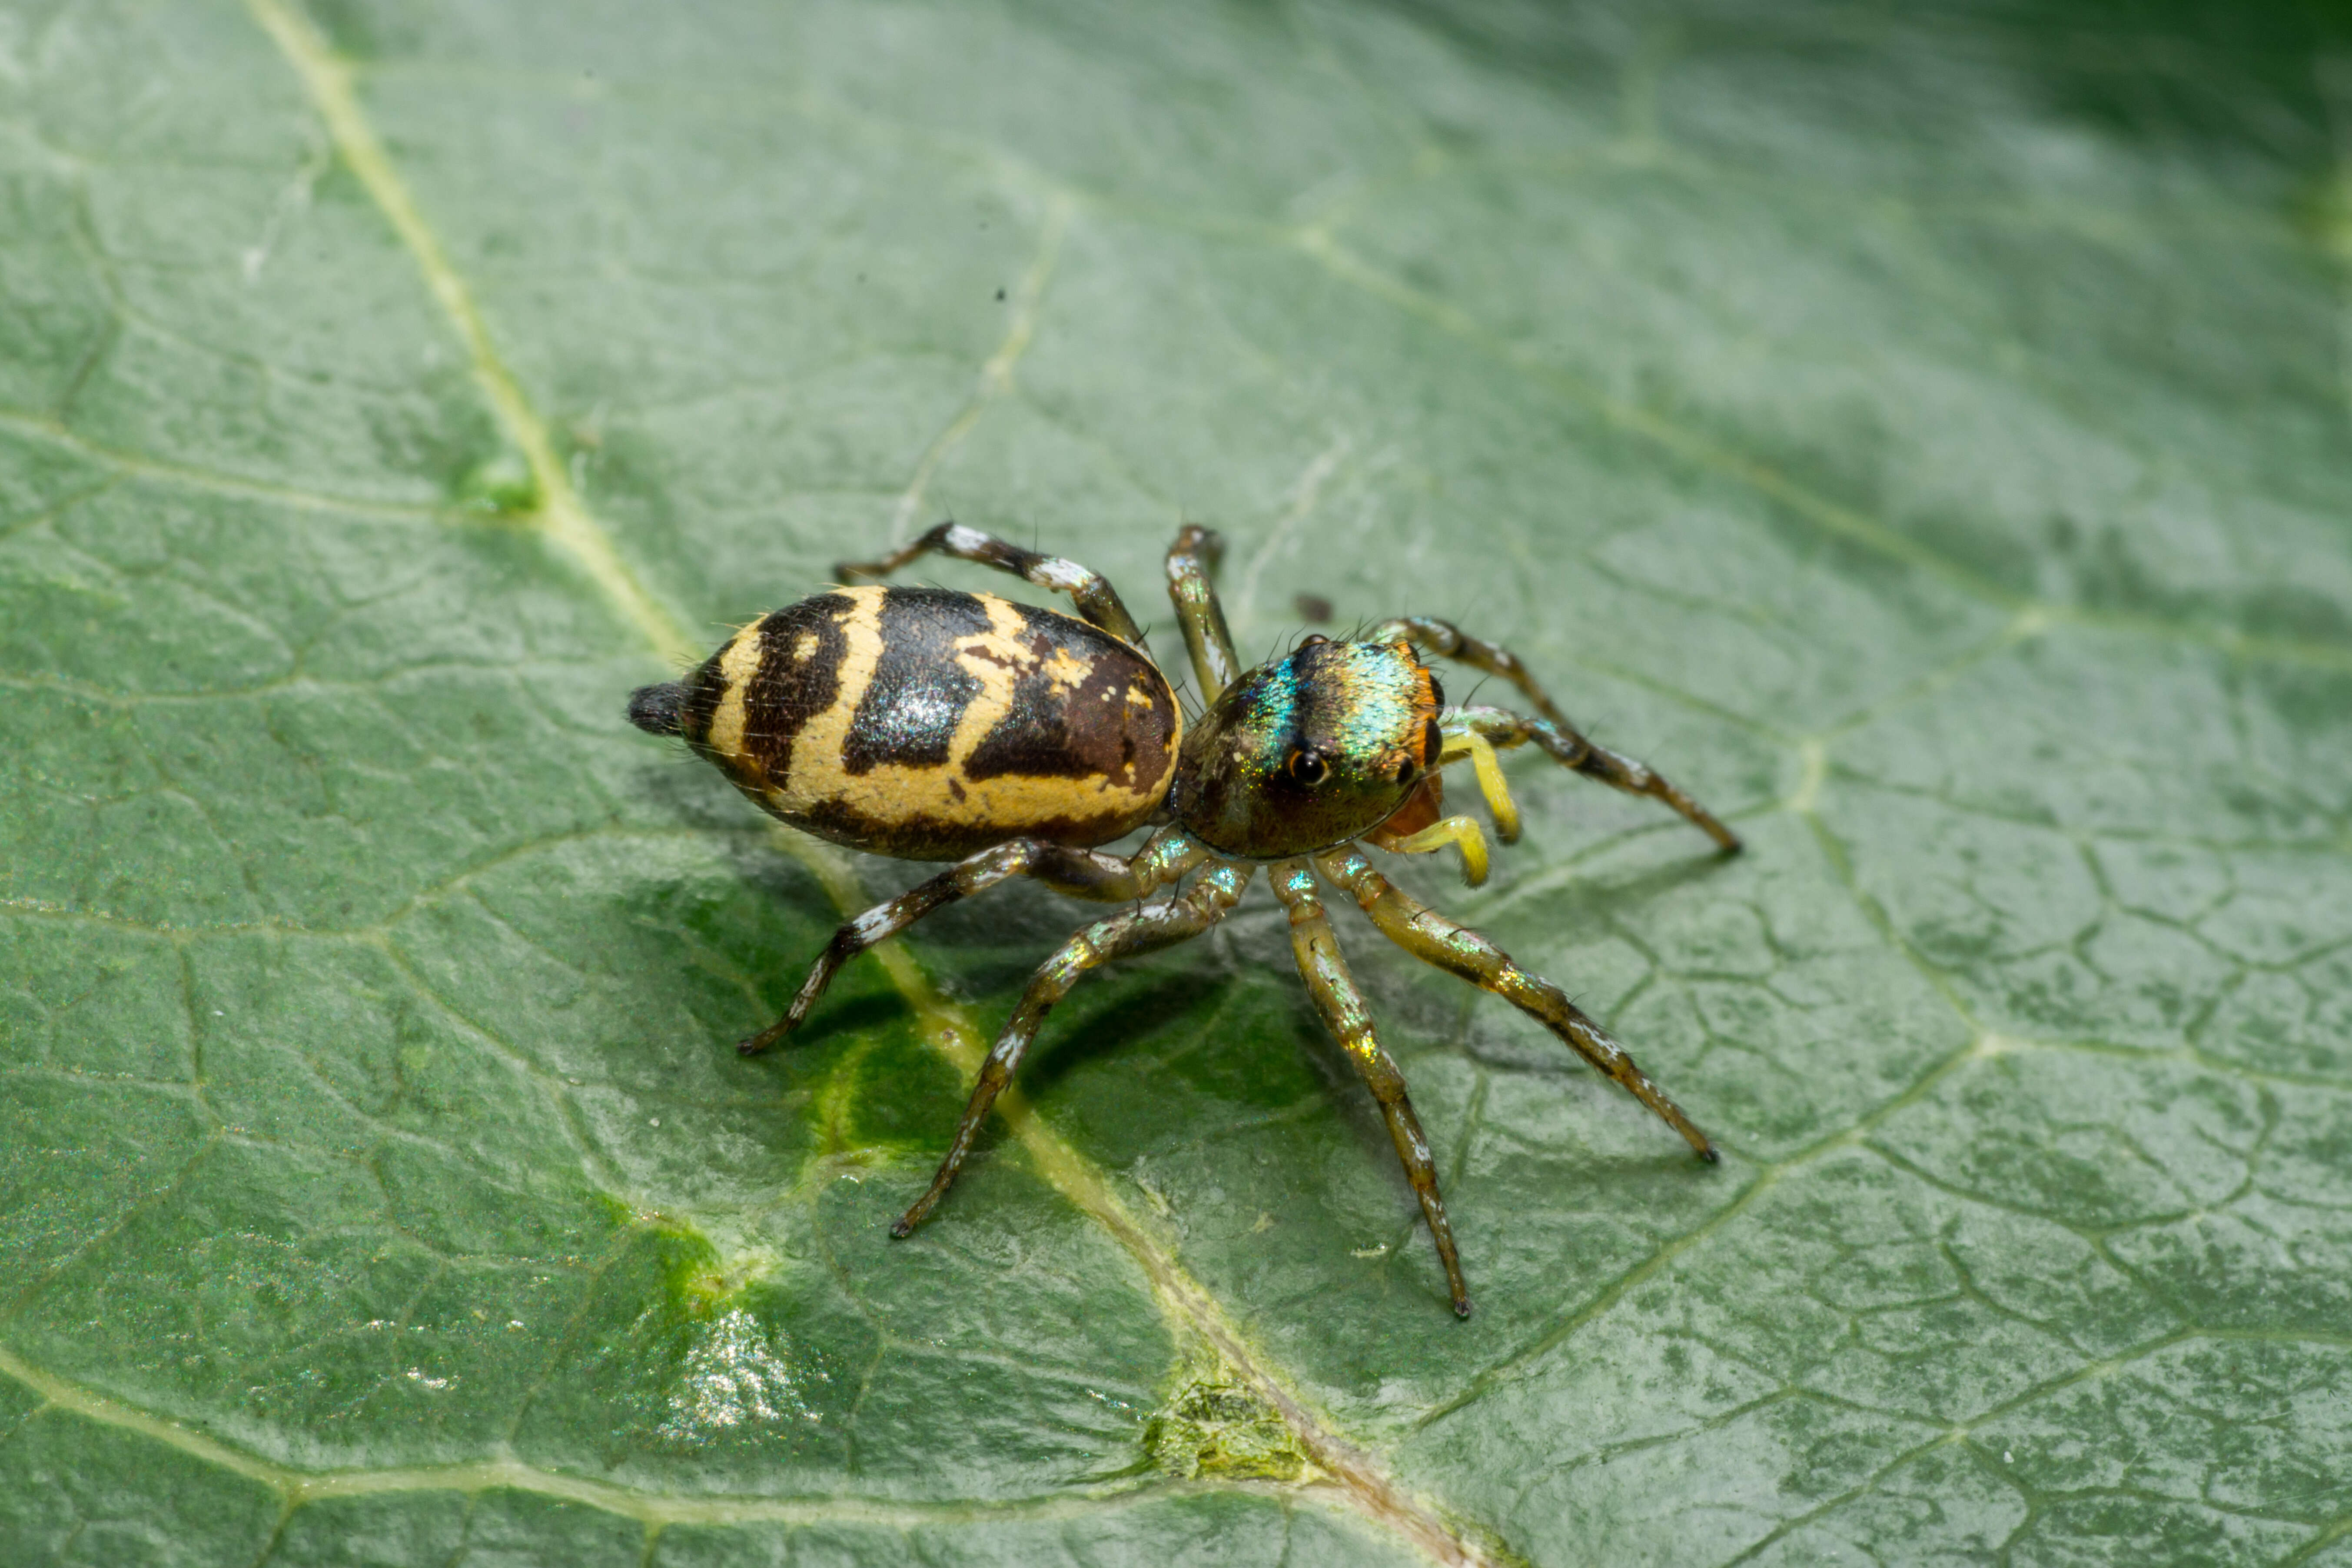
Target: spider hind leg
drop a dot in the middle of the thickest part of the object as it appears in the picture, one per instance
(1079, 873)
(1098, 602)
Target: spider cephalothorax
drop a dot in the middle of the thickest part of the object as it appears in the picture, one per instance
(929, 724)
(1309, 750)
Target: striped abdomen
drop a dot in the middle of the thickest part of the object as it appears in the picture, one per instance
(926, 724)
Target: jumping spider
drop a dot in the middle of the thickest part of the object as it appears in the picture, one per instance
(933, 725)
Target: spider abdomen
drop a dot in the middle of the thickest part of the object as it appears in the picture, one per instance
(928, 724)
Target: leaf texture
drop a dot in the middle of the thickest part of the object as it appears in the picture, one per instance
(1921, 432)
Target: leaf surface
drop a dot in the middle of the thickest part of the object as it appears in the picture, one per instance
(1922, 436)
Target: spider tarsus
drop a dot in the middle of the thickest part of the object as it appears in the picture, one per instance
(1711, 1154)
(902, 1228)
(753, 1045)
(1461, 1306)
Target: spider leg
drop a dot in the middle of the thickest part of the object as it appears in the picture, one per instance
(1080, 873)
(1446, 637)
(1350, 1019)
(1098, 600)
(1501, 727)
(1431, 938)
(1214, 892)
(1551, 730)
(1192, 569)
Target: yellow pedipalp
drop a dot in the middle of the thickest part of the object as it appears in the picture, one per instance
(1471, 744)
(1464, 833)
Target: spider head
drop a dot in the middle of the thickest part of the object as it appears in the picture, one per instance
(1309, 750)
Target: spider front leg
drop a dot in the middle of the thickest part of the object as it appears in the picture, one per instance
(1431, 938)
(1446, 637)
(1498, 727)
(1192, 569)
(1080, 873)
(1212, 894)
(1099, 603)
(1551, 730)
(1350, 1019)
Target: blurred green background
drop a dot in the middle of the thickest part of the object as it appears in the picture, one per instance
(1921, 430)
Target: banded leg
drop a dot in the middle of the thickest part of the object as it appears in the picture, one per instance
(1503, 728)
(1098, 600)
(1350, 1019)
(1431, 938)
(1215, 891)
(1080, 873)
(1562, 740)
(1192, 562)
(1446, 637)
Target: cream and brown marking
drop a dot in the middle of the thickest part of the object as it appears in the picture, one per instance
(929, 724)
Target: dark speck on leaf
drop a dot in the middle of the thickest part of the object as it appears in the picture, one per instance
(1312, 609)
(1000, 296)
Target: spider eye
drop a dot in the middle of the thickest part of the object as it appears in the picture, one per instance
(1311, 638)
(1306, 767)
(1405, 772)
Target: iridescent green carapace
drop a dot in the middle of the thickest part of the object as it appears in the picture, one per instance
(1310, 750)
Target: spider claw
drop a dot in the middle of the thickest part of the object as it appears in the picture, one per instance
(753, 1045)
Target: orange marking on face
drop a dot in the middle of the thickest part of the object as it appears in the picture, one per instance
(1421, 809)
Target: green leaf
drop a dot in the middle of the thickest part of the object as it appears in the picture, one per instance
(1922, 436)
